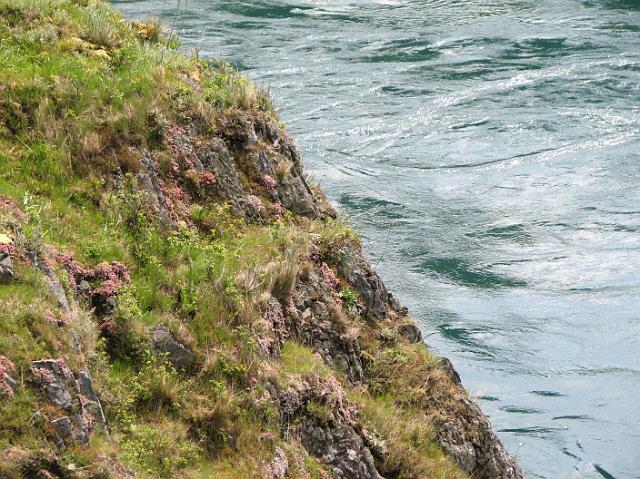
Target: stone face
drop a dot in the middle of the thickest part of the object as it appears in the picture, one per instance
(215, 158)
(164, 342)
(86, 386)
(9, 381)
(316, 320)
(70, 431)
(295, 197)
(54, 282)
(56, 381)
(340, 448)
(150, 183)
(357, 271)
(481, 455)
(72, 393)
(334, 439)
(8, 385)
(447, 366)
(6, 269)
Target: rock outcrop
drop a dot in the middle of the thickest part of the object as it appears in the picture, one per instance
(327, 424)
(73, 395)
(8, 385)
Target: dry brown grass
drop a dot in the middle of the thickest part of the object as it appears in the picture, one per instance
(283, 168)
(283, 278)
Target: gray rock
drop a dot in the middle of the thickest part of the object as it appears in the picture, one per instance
(410, 332)
(84, 287)
(56, 381)
(64, 429)
(54, 282)
(295, 195)
(151, 185)
(75, 395)
(340, 448)
(334, 439)
(70, 430)
(447, 366)
(315, 321)
(353, 266)
(6, 270)
(394, 302)
(397, 307)
(86, 386)
(480, 454)
(215, 158)
(165, 343)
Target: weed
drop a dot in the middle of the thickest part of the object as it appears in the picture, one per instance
(284, 277)
(299, 359)
(349, 296)
(159, 450)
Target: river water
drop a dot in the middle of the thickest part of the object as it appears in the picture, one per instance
(489, 153)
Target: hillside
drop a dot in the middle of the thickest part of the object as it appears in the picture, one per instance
(177, 298)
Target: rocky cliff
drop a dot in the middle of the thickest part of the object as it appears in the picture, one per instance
(178, 299)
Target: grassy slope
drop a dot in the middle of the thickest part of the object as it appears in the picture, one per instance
(79, 90)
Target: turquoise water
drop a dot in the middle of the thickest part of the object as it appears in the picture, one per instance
(489, 153)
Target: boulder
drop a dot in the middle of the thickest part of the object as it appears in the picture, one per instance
(410, 332)
(165, 343)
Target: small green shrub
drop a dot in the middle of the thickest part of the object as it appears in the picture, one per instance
(349, 296)
(160, 450)
(230, 368)
(159, 387)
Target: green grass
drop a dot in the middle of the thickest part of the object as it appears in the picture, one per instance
(299, 359)
(78, 83)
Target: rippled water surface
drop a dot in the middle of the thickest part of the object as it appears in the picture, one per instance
(489, 153)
